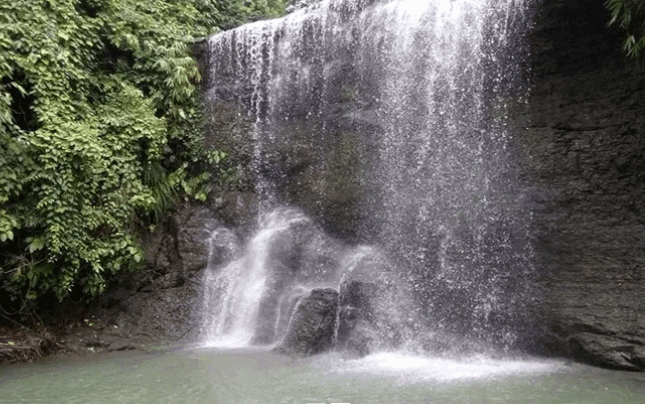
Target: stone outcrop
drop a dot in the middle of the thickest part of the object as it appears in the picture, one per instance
(312, 327)
(351, 322)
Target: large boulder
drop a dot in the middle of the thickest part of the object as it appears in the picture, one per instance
(368, 318)
(312, 327)
(376, 310)
(356, 336)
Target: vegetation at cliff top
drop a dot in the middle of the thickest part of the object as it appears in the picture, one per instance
(99, 132)
(629, 15)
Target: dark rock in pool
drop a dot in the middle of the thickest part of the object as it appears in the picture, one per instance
(357, 319)
(312, 328)
(358, 340)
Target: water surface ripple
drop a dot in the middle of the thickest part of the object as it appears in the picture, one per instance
(241, 376)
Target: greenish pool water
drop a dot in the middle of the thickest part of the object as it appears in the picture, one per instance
(254, 376)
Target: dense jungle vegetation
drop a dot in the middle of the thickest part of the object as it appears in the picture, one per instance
(99, 135)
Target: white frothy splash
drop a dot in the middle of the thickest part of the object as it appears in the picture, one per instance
(407, 368)
(233, 295)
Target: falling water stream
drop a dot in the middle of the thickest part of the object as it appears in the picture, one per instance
(445, 207)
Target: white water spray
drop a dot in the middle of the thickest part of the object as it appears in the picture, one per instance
(431, 80)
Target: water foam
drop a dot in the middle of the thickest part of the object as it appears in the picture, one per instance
(409, 368)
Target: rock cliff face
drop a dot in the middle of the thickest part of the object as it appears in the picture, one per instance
(584, 159)
(581, 142)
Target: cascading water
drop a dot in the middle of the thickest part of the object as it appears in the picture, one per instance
(250, 299)
(430, 81)
(235, 293)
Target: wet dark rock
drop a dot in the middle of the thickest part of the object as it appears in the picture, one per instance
(287, 257)
(359, 297)
(318, 170)
(194, 231)
(298, 255)
(238, 209)
(357, 325)
(358, 337)
(374, 309)
(288, 249)
(224, 246)
(312, 326)
(584, 159)
(605, 350)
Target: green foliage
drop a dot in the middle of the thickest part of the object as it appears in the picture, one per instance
(216, 14)
(99, 131)
(629, 15)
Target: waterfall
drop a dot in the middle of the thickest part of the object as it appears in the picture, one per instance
(250, 299)
(430, 85)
